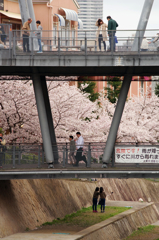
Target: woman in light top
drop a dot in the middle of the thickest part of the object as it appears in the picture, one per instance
(102, 197)
(101, 34)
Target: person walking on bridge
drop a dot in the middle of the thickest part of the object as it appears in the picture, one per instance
(72, 150)
(112, 25)
(39, 35)
(79, 146)
(26, 34)
(101, 34)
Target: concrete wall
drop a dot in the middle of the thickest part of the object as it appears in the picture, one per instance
(29, 203)
(122, 225)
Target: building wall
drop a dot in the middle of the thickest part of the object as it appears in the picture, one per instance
(90, 11)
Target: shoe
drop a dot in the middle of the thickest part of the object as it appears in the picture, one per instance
(96, 211)
(39, 52)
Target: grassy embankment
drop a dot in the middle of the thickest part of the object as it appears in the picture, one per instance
(145, 233)
(86, 218)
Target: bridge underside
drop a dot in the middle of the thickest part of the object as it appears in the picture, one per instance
(76, 174)
(76, 71)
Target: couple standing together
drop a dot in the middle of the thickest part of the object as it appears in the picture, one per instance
(76, 144)
(99, 192)
(102, 33)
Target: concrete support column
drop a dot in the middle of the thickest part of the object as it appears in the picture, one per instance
(142, 24)
(50, 119)
(126, 84)
(24, 10)
(117, 118)
(42, 112)
(33, 25)
(32, 14)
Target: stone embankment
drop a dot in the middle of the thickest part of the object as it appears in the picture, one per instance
(29, 203)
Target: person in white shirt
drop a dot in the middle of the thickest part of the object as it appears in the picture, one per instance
(144, 45)
(79, 146)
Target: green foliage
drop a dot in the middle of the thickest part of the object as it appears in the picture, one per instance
(157, 90)
(113, 89)
(141, 231)
(27, 229)
(1, 131)
(90, 89)
(85, 217)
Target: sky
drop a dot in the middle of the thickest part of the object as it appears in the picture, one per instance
(127, 13)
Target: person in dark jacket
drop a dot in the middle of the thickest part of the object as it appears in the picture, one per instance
(95, 199)
(112, 25)
(102, 197)
(2, 34)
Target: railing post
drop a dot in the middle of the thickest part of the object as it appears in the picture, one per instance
(19, 155)
(64, 157)
(85, 43)
(66, 154)
(89, 156)
(113, 157)
(10, 40)
(95, 48)
(14, 45)
(32, 46)
(112, 43)
(39, 156)
(59, 45)
(42, 156)
(139, 43)
(13, 156)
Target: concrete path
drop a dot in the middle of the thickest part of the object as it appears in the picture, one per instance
(37, 236)
(50, 236)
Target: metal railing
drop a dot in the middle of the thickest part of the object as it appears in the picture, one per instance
(28, 156)
(64, 40)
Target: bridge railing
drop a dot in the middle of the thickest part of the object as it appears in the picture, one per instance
(125, 155)
(61, 41)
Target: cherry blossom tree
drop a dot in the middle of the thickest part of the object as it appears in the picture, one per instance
(73, 111)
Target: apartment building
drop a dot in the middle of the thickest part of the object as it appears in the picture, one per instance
(59, 15)
(90, 11)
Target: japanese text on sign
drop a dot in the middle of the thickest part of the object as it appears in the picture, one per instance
(137, 155)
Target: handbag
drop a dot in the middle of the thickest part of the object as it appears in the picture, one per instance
(3, 142)
(99, 203)
(116, 40)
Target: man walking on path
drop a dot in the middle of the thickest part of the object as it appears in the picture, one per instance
(79, 146)
(72, 150)
(39, 34)
(112, 25)
(26, 34)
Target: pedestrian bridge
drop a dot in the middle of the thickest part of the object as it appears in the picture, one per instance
(76, 63)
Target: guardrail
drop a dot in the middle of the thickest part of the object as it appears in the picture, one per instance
(29, 156)
(64, 40)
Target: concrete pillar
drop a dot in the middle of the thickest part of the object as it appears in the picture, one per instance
(42, 112)
(33, 24)
(142, 24)
(117, 118)
(125, 86)
(32, 14)
(50, 119)
(24, 10)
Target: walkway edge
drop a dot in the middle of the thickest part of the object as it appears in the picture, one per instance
(121, 225)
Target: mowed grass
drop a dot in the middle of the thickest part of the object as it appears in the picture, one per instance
(86, 218)
(145, 233)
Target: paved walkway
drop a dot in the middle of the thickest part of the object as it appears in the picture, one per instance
(36, 235)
